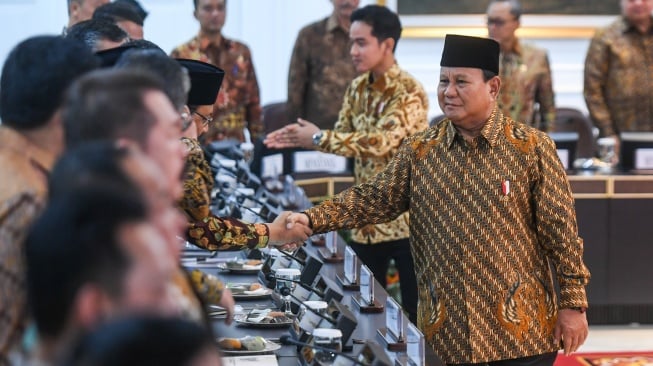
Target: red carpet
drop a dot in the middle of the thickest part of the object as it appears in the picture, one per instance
(606, 359)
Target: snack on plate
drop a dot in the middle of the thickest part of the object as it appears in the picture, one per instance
(255, 286)
(230, 343)
(248, 343)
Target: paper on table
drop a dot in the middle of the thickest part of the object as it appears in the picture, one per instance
(262, 360)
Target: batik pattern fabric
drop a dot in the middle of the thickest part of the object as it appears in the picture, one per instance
(238, 103)
(488, 216)
(526, 83)
(376, 116)
(618, 85)
(24, 169)
(319, 73)
(206, 230)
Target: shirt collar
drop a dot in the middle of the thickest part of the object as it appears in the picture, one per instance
(489, 132)
(517, 47)
(381, 83)
(332, 24)
(11, 139)
(627, 27)
(204, 42)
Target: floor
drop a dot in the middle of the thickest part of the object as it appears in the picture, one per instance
(607, 338)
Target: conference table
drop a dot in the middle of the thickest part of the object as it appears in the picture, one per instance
(365, 330)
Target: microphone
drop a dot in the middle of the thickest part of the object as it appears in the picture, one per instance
(288, 255)
(271, 277)
(287, 340)
(285, 291)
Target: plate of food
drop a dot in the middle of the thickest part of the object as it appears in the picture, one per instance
(246, 346)
(263, 318)
(248, 291)
(244, 266)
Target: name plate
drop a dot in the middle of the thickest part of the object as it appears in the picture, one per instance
(271, 165)
(415, 345)
(367, 285)
(644, 159)
(315, 161)
(563, 154)
(332, 243)
(350, 265)
(394, 319)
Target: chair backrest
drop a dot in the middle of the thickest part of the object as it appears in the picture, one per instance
(573, 120)
(275, 116)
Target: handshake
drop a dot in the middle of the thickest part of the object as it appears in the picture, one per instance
(289, 230)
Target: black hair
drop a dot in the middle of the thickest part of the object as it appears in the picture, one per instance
(139, 8)
(173, 76)
(143, 44)
(109, 104)
(196, 2)
(142, 340)
(385, 23)
(515, 7)
(487, 75)
(92, 31)
(35, 77)
(74, 242)
(118, 11)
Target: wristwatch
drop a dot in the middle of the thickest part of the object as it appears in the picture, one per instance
(317, 137)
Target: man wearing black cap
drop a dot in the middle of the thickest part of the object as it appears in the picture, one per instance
(490, 208)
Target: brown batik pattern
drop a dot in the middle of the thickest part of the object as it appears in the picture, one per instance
(619, 79)
(481, 256)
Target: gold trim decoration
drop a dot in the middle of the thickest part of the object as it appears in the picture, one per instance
(481, 31)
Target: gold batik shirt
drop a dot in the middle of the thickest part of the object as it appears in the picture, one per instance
(526, 83)
(320, 71)
(376, 116)
(24, 169)
(204, 228)
(487, 218)
(238, 104)
(619, 79)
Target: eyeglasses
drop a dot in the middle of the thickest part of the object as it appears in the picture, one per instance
(205, 120)
(498, 21)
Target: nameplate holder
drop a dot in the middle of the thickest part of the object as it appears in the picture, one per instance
(365, 300)
(330, 252)
(349, 279)
(393, 335)
(316, 161)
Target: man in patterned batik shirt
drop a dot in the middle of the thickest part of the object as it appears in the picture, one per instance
(382, 107)
(619, 73)
(490, 209)
(31, 139)
(320, 67)
(526, 87)
(238, 104)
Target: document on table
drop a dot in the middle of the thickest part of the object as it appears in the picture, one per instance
(260, 360)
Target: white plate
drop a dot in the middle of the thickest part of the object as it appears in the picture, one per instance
(245, 269)
(269, 348)
(240, 292)
(249, 321)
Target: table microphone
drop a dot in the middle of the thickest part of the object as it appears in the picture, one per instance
(285, 291)
(288, 255)
(271, 276)
(287, 340)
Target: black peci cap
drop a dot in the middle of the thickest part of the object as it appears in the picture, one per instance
(475, 52)
(109, 57)
(205, 81)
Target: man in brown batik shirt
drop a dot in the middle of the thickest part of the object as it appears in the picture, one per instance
(320, 67)
(238, 104)
(619, 72)
(490, 209)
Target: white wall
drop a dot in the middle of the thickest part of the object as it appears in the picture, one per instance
(269, 27)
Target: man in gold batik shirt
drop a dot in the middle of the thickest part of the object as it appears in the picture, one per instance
(238, 104)
(491, 208)
(619, 72)
(381, 108)
(526, 85)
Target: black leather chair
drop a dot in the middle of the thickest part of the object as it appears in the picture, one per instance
(573, 120)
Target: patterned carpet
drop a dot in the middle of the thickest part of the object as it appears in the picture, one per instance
(606, 359)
